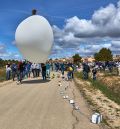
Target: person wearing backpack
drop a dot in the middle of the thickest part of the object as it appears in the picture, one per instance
(69, 74)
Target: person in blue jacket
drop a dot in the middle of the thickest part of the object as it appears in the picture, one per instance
(62, 68)
(48, 70)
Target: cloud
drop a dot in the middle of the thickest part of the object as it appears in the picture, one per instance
(116, 43)
(5, 54)
(10, 55)
(14, 42)
(104, 23)
(64, 39)
(115, 46)
(89, 50)
(89, 36)
(2, 48)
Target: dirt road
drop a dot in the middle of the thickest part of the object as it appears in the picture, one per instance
(39, 105)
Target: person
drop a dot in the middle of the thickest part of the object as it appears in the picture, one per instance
(110, 67)
(62, 68)
(33, 67)
(72, 72)
(119, 69)
(8, 72)
(48, 69)
(56, 66)
(37, 70)
(14, 70)
(52, 66)
(28, 69)
(43, 71)
(24, 72)
(94, 72)
(20, 71)
(69, 74)
(86, 70)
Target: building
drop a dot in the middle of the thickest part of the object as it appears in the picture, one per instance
(90, 59)
(116, 58)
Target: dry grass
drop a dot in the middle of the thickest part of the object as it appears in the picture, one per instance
(2, 74)
(105, 88)
(99, 102)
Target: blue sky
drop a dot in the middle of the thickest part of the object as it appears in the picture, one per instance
(61, 15)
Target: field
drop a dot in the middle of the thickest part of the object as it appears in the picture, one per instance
(2, 74)
(103, 96)
(112, 83)
(107, 83)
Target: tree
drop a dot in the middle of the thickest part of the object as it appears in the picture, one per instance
(97, 57)
(104, 55)
(1, 62)
(77, 58)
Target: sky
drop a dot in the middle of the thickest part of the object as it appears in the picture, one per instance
(79, 26)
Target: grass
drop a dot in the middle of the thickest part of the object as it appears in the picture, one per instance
(107, 73)
(2, 74)
(102, 87)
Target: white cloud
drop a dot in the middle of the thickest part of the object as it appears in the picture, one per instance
(5, 54)
(10, 55)
(115, 46)
(2, 48)
(92, 49)
(102, 30)
(116, 43)
(105, 22)
(14, 42)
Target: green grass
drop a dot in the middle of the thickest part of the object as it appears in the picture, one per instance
(103, 88)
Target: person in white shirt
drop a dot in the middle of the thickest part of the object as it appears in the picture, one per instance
(8, 72)
(33, 67)
(38, 70)
(119, 69)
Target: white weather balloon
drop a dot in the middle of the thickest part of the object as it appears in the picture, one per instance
(34, 38)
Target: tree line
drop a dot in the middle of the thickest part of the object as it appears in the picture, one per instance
(5, 62)
(104, 54)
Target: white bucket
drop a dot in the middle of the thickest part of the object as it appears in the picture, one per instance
(72, 101)
(96, 118)
(65, 97)
(59, 84)
(76, 107)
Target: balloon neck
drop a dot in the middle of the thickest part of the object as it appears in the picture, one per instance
(34, 12)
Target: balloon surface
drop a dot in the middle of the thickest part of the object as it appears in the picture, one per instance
(34, 38)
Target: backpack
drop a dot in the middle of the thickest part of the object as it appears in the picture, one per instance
(70, 68)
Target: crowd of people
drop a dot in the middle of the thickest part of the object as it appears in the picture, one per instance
(25, 69)
(99, 66)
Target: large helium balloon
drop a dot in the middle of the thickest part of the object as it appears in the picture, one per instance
(34, 38)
